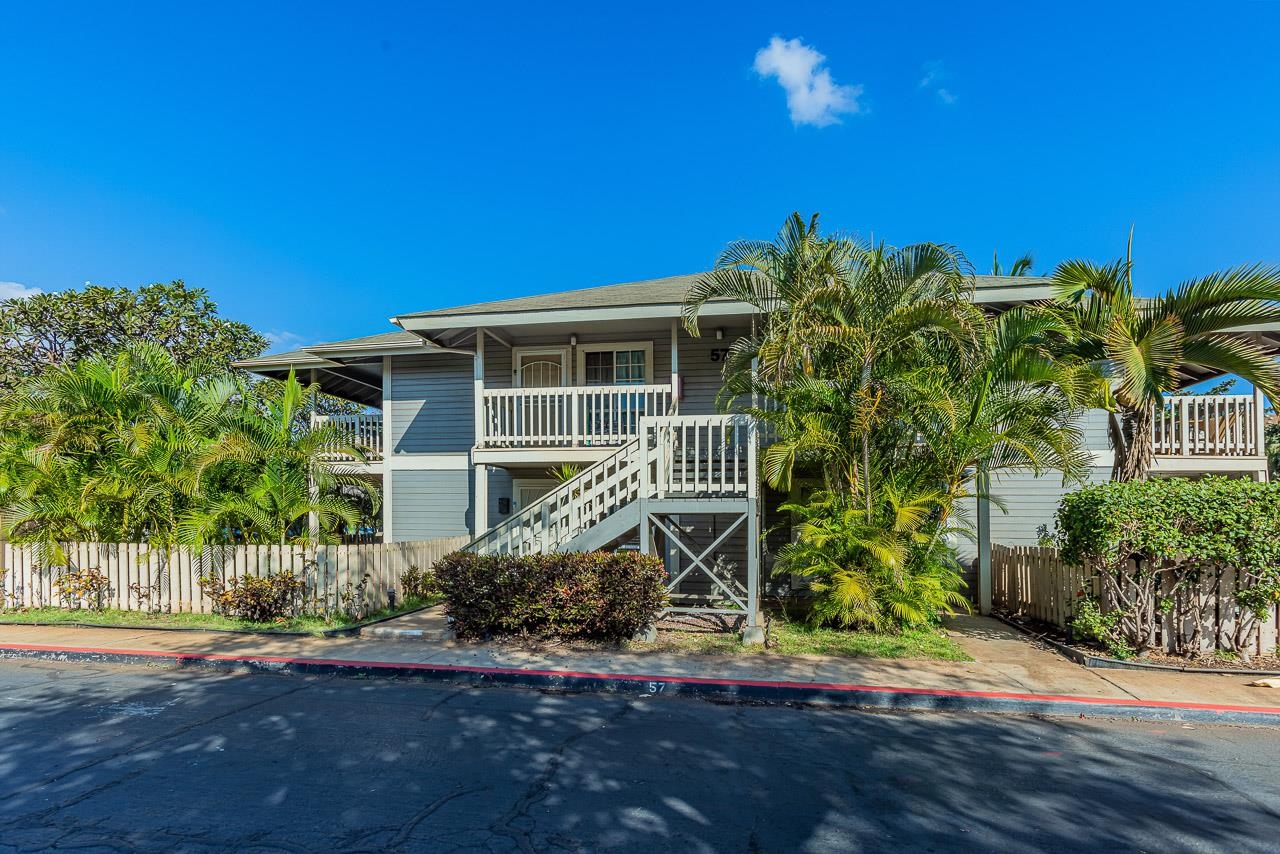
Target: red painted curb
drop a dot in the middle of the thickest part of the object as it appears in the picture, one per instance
(639, 677)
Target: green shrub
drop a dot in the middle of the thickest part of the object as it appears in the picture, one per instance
(83, 588)
(892, 573)
(258, 600)
(418, 583)
(1161, 546)
(1091, 624)
(597, 595)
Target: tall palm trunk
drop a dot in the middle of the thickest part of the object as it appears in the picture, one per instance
(1134, 461)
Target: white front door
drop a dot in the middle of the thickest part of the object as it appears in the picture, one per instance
(541, 368)
(528, 490)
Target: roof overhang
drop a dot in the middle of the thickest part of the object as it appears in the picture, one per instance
(351, 370)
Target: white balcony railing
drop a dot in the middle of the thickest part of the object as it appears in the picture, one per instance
(1208, 425)
(569, 416)
(363, 430)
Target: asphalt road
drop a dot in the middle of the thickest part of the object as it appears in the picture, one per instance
(112, 758)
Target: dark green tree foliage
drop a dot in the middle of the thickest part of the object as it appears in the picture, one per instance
(1153, 545)
(138, 448)
(62, 328)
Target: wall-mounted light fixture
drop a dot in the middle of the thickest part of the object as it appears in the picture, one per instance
(573, 340)
(720, 333)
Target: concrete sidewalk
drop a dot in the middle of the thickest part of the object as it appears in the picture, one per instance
(1008, 667)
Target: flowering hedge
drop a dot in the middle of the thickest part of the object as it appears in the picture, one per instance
(599, 595)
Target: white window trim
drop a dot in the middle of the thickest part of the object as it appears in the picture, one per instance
(518, 352)
(584, 349)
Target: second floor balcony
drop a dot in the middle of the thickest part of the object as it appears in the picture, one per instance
(569, 416)
(1190, 432)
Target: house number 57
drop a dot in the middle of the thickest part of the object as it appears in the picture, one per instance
(719, 354)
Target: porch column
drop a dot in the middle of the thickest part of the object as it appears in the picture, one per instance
(983, 483)
(480, 492)
(313, 518)
(387, 450)
(1260, 433)
(675, 367)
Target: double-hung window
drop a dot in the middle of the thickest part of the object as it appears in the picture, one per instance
(614, 413)
(615, 367)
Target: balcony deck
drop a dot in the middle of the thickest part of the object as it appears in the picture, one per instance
(569, 416)
(1191, 433)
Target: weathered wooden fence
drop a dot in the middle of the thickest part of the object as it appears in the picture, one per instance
(1032, 581)
(140, 578)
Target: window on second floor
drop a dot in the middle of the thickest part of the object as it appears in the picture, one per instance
(615, 367)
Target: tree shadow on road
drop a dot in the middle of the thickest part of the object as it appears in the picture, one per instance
(130, 758)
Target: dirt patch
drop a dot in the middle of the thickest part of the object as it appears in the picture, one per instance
(1208, 662)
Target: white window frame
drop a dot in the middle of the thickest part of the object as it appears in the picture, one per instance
(518, 352)
(646, 346)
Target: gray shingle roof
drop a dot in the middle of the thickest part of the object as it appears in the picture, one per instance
(650, 292)
(315, 353)
(665, 291)
(397, 338)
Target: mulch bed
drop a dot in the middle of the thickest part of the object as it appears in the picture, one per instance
(1208, 662)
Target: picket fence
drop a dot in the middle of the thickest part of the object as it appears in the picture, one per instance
(141, 578)
(1033, 582)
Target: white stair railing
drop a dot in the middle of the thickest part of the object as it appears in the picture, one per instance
(569, 509)
(675, 456)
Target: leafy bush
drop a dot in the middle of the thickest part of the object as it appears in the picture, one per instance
(1090, 623)
(84, 588)
(890, 573)
(1162, 546)
(418, 583)
(258, 600)
(598, 595)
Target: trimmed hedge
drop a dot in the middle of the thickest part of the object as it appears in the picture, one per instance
(595, 595)
(1205, 554)
(1214, 520)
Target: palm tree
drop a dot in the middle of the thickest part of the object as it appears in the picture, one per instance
(842, 326)
(271, 475)
(1021, 265)
(136, 448)
(1142, 346)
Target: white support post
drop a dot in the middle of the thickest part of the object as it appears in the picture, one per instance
(387, 449)
(675, 368)
(754, 631)
(480, 493)
(983, 488)
(313, 518)
(1260, 433)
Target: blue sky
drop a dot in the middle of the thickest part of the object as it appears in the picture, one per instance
(320, 166)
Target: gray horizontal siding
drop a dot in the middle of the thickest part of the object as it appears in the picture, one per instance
(499, 369)
(1094, 424)
(428, 504)
(431, 404)
(700, 376)
(1029, 502)
(500, 486)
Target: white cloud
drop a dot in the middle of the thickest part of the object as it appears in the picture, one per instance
(932, 75)
(812, 96)
(280, 341)
(16, 290)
